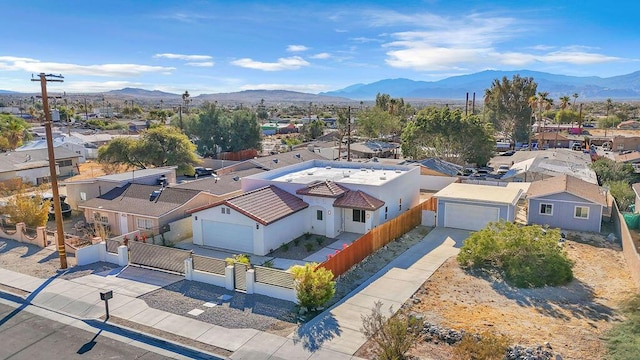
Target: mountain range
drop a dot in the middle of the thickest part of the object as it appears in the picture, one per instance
(622, 87)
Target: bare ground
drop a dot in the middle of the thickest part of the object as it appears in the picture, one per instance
(572, 318)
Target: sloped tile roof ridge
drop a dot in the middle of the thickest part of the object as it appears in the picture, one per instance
(326, 188)
(358, 200)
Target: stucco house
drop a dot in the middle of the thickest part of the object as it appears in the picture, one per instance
(32, 166)
(472, 207)
(148, 208)
(315, 196)
(566, 202)
(79, 191)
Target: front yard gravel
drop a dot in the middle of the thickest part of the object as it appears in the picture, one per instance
(239, 311)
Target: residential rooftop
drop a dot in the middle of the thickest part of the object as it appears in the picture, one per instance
(342, 172)
(480, 193)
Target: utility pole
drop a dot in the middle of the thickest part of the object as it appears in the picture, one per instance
(349, 134)
(43, 78)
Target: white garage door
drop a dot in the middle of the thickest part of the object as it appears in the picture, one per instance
(228, 236)
(469, 217)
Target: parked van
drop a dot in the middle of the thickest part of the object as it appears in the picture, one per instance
(576, 147)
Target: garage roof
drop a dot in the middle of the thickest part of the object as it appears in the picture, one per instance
(480, 193)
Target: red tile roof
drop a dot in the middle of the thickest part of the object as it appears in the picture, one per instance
(324, 189)
(358, 200)
(267, 204)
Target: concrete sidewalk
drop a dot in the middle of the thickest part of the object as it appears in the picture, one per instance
(334, 334)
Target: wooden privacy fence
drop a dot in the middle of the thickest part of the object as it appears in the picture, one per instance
(431, 204)
(373, 241)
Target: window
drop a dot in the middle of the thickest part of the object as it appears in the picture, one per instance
(144, 224)
(581, 212)
(100, 218)
(546, 209)
(63, 163)
(358, 215)
(319, 215)
(225, 210)
(83, 196)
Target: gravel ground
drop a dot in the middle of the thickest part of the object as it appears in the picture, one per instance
(43, 262)
(239, 311)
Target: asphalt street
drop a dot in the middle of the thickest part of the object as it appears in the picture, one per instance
(27, 336)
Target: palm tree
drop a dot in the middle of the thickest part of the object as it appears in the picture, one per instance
(575, 97)
(539, 102)
(14, 133)
(564, 102)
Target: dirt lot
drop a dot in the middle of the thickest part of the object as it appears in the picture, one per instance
(571, 318)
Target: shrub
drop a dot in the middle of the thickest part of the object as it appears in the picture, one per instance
(320, 240)
(307, 235)
(284, 247)
(623, 340)
(314, 286)
(238, 258)
(526, 256)
(33, 211)
(393, 336)
(296, 241)
(268, 263)
(308, 246)
(486, 346)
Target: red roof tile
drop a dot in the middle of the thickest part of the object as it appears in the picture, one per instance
(324, 189)
(358, 200)
(267, 204)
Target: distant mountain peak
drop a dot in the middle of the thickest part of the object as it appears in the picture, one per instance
(140, 92)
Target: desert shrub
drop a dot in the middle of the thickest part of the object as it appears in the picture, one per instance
(393, 336)
(623, 340)
(320, 240)
(284, 247)
(314, 286)
(296, 241)
(238, 258)
(308, 246)
(486, 346)
(27, 209)
(268, 263)
(526, 256)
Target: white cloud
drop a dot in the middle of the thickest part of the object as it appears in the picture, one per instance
(297, 48)
(308, 88)
(323, 55)
(290, 63)
(201, 64)
(183, 57)
(107, 70)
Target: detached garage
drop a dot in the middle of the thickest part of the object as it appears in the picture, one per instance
(472, 207)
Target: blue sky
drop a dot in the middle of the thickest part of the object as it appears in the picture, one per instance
(315, 46)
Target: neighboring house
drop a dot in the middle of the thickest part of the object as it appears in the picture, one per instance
(318, 197)
(62, 141)
(632, 158)
(33, 165)
(371, 149)
(79, 191)
(147, 208)
(622, 143)
(271, 162)
(436, 174)
(566, 202)
(223, 187)
(472, 207)
(629, 125)
(547, 140)
(551, 163)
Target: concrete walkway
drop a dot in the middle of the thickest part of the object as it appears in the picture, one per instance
(334, 334)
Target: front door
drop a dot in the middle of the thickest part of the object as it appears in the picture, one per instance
(124, 224)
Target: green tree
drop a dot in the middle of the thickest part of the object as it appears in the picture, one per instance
(156, 147)
(314, 285)
(623, 193)
(314, 129)
(246, 132)
(13, 131)
(377, 123)
(447, 134)
(211, 130)
(567, 116)
(526, 256)
(608, 170)
(508, 105)
(393, 335)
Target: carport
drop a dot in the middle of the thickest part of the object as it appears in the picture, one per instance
(472, 207)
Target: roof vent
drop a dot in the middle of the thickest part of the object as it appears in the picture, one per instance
(309, 172)
(289, 180)
(345, 174)
(383, 178)
(397, 171)
(363, 169)
(328, 167)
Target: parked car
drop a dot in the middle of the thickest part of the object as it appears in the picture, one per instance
(524, 147)
(202, 171)
(508, 153)
(502, 169)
